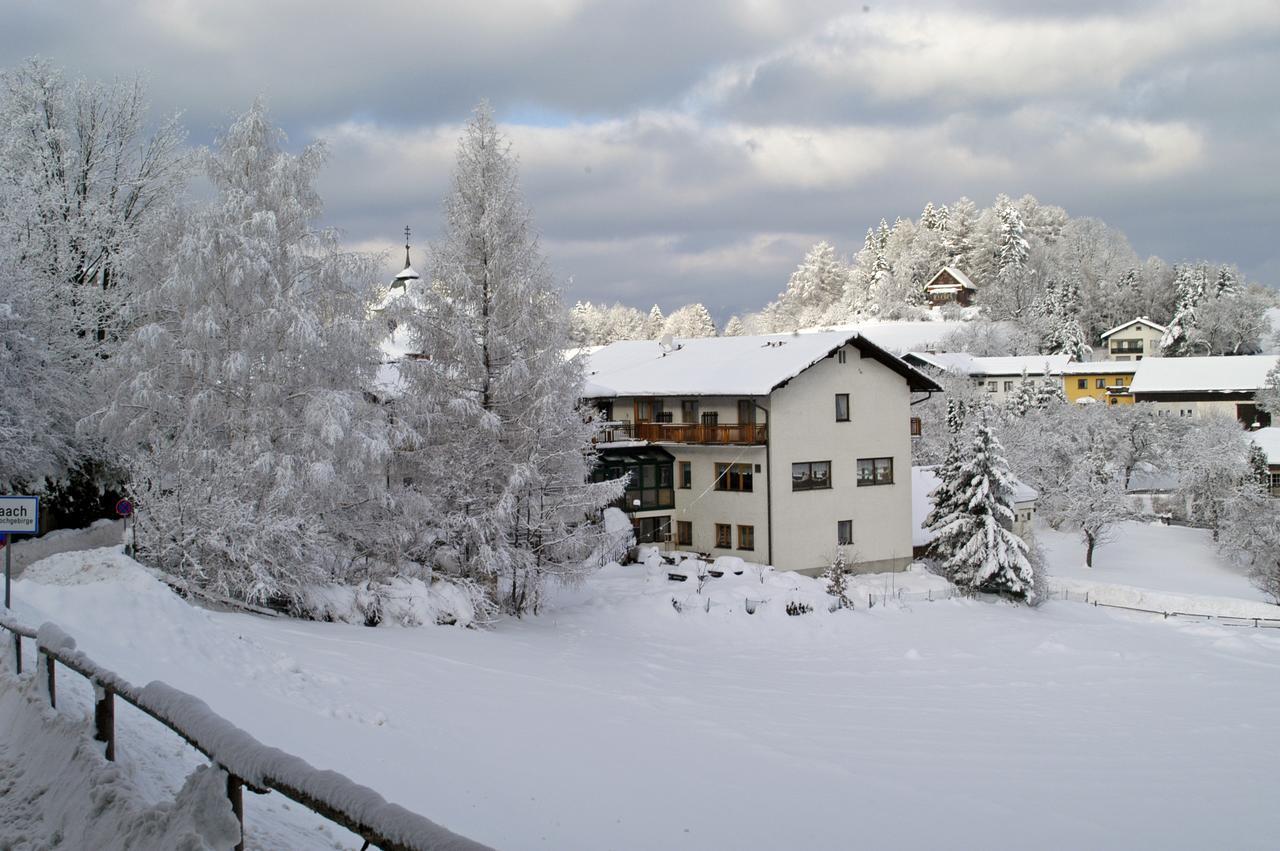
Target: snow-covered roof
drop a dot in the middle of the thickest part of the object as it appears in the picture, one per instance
(1268, 440)
(1246, 373)
(964, 363)
(1141, 320)
(960, 278)
(924, 481)
(1100, 367)
(407, 274)
(724, 366)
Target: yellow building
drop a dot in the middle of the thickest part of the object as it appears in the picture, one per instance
(1106, 382)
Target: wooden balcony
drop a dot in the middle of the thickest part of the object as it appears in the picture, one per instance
(720, 434)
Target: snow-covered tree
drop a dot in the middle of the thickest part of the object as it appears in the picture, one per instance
(1268, 398)
(1234, 322)
(503, 446)
(82, 184)
(1211, 462)
(837, 576)
(654, 323)
(988, 556)
(1061, 311)
(1190, 283)
(692, 320)
(1094, 499)
(1024, 397)
(734, 327)
(241, 390)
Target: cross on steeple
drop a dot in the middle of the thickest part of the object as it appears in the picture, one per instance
(407, 274)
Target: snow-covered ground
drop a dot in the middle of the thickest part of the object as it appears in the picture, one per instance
(615, 721)
(1168, 568)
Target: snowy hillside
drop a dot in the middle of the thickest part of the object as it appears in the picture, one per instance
(617, 721)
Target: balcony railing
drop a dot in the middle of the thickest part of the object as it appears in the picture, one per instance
(720, 434)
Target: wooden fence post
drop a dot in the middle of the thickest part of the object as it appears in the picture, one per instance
(104, 719)
(51, 684)
(235, 794)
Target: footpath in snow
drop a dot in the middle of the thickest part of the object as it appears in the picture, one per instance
(619, 720)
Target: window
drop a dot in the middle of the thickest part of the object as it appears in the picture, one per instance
(746, 537)
(724, 536)
(811, 475)
(844, 533)
(686, 474)
(1008, 387)
(875, 471)
(746, 411)
(841, 356)
(662, 417)
(649, 410)
(689, 411)
(1082, 384)
(1100, 383)
(916, 429)
(652, 530)
(842, 407)
(710, 418)
(605, 409)
(993, 386)
(734, 477)
(649, 484)
(684, 533)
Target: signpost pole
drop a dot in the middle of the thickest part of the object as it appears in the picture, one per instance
(18, 514)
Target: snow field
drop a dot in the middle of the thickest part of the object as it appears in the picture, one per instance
(615, 721)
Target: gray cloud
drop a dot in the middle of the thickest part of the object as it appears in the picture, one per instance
(691, 151)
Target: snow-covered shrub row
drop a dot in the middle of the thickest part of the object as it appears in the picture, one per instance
(398, 600)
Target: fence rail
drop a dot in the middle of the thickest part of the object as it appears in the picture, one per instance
(246, 761)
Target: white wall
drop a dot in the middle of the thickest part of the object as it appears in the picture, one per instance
(802, 427)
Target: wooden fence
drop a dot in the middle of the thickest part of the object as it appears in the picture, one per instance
(246, 761)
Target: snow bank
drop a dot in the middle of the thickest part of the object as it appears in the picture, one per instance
(102, 533)
(59, 789)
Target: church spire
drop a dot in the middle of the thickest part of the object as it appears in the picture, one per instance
(407, 274)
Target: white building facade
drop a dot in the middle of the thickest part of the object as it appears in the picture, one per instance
(1134, 340)
(1201, 386)
(777, 449)
(998, 377)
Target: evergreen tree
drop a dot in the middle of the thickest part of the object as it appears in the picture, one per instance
(961, 223)
(654, 324)
(1024, 397)
(692, 320)
(241, 395)
(734, 327)
(1259, 465)
(837, 576)
(503, 447)
(1190, 283)
(985, 553)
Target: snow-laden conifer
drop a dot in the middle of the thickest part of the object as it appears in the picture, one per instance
(241, 397)
(987, 555)
(502, 449)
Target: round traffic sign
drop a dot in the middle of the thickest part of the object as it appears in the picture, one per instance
(124, 508)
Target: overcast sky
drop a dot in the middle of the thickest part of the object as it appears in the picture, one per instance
(680, 151)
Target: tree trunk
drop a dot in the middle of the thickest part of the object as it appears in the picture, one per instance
(1089, 542)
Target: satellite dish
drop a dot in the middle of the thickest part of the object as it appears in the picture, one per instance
(667, 343)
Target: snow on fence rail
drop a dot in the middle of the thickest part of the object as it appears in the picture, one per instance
(1225, 620)
(246, 761)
